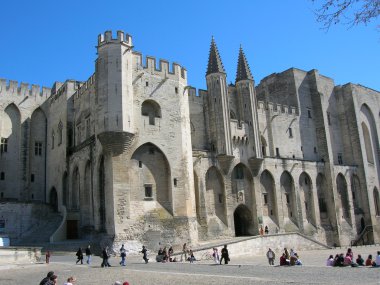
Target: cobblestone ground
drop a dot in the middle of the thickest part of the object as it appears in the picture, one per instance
(241, 270)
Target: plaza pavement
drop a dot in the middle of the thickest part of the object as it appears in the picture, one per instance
(242, 270)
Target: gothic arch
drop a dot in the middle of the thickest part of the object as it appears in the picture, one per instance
(215, 194)
(85, 196)
(307, 198)
(53, 199)
(153, 181)
(268, 198)
(343, 197)
(243, 221)
(75, 189)
(367, 143)
(288, 197)
(376, 199)
(65, 194)
(101, 196)
(241, 182)
(37, 150)
(151, 109)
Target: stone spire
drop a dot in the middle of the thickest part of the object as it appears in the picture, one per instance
(243, 72)
(215, 64)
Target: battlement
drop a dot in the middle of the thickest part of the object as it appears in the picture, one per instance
(84, 86)
(163, 67)
(277, 108)
(120, 38)
(195, 96)
(23, 89)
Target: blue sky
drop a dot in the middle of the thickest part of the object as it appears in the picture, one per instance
(46, 41)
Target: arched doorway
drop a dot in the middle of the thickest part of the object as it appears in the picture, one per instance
(242, 221)
(215, 195)
(288, 198)
(53, 199)
(268, 199)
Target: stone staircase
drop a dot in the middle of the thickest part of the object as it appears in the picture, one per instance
(40, 233)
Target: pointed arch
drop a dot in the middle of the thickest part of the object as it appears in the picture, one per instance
(376, 198)
(153, 179)
(307, 198)
(241, 182)
(37, 149)
(288, 197)
(243, 221)
(151, 109)
(75, 189)
(215, 194)
(343, 197)
(268, 197)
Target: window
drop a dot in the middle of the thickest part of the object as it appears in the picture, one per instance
(265, 196)
(60, 133)
(2, 176)
(328, 118)
(140, 164)
(309, 113)
(52, 139)
(2, 195)
(220, 196)
(148, 191)
(264, 150)
(287, 198)
(38, 148)
(340, 159)
(277, 151)
(290, 132)
(32, 178)
(322, 205)
(88, 127)
(4, 145)
(176, 90)
(175, 182)
(239, 172)
(315, 149)
(146, 83)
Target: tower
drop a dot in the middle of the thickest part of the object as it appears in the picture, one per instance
(247, 105)
(218, 106)
(114, 92)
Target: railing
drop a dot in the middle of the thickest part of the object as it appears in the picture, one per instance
(365, 237)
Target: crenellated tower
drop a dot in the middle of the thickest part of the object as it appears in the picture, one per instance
(114, 95)
(218, 106)
(247, 106)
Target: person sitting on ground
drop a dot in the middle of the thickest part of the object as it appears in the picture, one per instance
(377, 260)
(340, 260)
(70, 281)
(350, 253)
(330, 261)
(170, 252)
(293, 258)
(287, 255)
(52, 280)
(47, 278)
(165, 257)
(298, 260)
(160, 251)
(283, 260)
(347, 260)
(360, 260)
(191, 258)
(369, 261)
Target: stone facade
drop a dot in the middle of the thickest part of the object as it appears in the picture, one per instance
(134, 153)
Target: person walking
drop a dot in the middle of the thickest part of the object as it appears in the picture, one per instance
(105, 256)
(271, 256)
(184, 251)
(215, 254)
(123, 254)
(144, 252)
(88, 254)
(225, 255)
(79, 255)
(261, 231)
(266, 230)
(47, 257)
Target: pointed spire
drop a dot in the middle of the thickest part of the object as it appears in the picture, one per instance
(214, 62)
(243, 72)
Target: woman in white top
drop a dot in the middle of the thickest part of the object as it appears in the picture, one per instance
(70, 281)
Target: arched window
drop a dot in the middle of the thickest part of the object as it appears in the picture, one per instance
(232, 115)
(60, 130)
(151, 109)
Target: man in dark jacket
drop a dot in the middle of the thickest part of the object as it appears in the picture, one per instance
(105, 256)
(225, 255)
(47, 278)
(88, 254)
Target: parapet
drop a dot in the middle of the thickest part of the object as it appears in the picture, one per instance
(277, 108)
(195, 96)
(163, 66)
(120, 38)
(24, 89)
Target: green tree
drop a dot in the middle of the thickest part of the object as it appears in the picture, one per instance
(347, 12)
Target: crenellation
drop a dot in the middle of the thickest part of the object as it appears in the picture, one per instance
(24, 89)
(120, 38)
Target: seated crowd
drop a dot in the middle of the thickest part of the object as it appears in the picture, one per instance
(291, 258)
(349, 260)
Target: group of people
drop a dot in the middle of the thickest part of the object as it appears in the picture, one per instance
(165, 255)
(290, 258)
(264, 230)
(52, 279)
(348, 259)
(79, 255)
